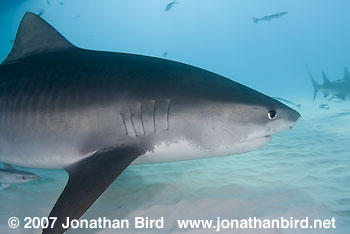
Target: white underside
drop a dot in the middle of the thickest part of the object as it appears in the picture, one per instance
(185, 150)
(163, 152)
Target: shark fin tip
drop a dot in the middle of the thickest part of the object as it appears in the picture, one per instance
(35, 36)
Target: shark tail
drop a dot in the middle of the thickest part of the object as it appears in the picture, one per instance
(315, 85)
(255, 20)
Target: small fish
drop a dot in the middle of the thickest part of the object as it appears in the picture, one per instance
(165, 54)
(48, 2)
(269, 17)
(61, 3)
(342, 114)
(10, 175)
(170, 5)
(287, 101)
(324, 106)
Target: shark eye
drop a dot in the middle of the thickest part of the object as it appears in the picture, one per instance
(24, 178)
(272, 114)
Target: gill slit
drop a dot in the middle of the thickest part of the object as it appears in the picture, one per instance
(126, 130)
(132, 121)
(143, 127)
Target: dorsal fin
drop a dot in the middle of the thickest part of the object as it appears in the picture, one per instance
(35, 36)
(325, 79)
(346, 74)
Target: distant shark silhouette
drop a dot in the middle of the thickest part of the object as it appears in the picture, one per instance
(94, 113)
(10, 175)
(336, 89)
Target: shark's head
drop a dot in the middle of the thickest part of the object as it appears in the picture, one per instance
(250, 125)
(259, 120)
(231, 118)
(20, 177)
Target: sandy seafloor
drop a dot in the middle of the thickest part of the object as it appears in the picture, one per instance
(303, 172)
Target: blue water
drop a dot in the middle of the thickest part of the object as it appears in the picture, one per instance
(303, 172)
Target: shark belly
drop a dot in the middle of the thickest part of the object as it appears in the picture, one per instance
(58, 155)
(184, 149)
(54, 155)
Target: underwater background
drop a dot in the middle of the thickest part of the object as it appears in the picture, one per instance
(302, 172)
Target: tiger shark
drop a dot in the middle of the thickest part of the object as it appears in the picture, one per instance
(94, 113)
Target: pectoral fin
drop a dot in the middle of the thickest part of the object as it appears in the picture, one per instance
(88, 179)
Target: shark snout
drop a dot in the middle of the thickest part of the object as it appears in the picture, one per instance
(293, 117)
(34, 177)
(31, 177)
(286, 119)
